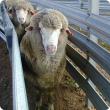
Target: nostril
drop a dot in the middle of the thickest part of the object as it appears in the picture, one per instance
(21, 19)
(51, 48)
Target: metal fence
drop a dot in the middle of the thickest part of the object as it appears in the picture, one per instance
(97, 26)
(19, 91)
(104, 5)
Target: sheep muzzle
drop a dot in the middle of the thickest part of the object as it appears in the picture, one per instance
(51, 49)
(21, 20)
(21, 15)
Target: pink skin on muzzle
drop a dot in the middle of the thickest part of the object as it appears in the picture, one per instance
(51, 49)
(21, 15)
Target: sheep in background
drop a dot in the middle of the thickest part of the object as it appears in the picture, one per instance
(21, 12)
(43, 52)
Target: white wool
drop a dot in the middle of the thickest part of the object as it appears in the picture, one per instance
(49, 37)
(21, 14)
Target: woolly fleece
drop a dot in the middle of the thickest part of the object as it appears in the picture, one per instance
(44, 71)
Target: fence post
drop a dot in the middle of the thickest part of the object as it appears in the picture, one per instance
(93, 6)
(19, 92)
(80, 4)
(80, 7)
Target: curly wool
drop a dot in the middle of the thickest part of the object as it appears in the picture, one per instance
(20, 5)
(48, 69)
(51, 18)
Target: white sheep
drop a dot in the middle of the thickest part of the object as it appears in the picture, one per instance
(43, 52)
(21, 12)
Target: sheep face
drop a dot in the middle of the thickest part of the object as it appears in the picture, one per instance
(21, 15)
(49, 38)
(20, 10)
(48, 28)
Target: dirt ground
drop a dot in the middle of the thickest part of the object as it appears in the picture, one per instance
(66, 96)
(5, 78)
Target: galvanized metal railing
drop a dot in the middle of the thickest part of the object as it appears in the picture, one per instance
(104, 5)
(19, 91)
(94, 24)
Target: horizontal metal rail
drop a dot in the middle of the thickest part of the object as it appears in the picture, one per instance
(96, 77)
(2, 28)
(19, 91)
(103, 5)
(95, 98)
(95, 51)
(2, 36)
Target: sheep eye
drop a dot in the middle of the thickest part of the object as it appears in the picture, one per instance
(61, 30)
(39, 28)
(10, 11)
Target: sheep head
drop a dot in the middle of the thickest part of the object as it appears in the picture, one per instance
(50, 26)
(20, 9)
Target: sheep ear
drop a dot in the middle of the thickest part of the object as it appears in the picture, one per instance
(10, 11)
(69, 32)
(29, 28)
(32, 13)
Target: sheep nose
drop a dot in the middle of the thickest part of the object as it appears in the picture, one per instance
(21, 19)
(51, 49)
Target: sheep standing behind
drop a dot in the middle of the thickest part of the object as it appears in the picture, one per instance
(43, 52)
(21, 12)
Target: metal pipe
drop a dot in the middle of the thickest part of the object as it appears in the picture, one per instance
(19, 91)
(93, 7)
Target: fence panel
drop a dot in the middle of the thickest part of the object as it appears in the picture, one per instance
(104, 5)
(96, 52)
(99, 80)
(19, 92)
(97, 101)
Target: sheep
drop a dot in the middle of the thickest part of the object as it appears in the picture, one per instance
(43, 52)
(21, 12)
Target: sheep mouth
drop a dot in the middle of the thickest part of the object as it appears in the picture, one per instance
(21, 20)
(51, 49)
